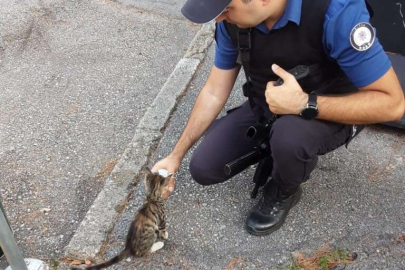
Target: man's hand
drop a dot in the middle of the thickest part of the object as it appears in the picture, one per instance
(287, 98)
(171, 164)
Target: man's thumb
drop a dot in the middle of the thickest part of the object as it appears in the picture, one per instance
(279, 71)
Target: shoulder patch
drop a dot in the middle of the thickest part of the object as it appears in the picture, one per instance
(362, 36)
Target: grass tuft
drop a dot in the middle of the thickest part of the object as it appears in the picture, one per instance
(326, 258)
(54, 263)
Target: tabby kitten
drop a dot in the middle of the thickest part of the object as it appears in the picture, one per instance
(148, 224)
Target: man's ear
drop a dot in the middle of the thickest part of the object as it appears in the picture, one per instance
(265, 2)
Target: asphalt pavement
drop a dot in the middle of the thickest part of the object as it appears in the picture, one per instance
(79, 78)
(354, 200)
(76, 79)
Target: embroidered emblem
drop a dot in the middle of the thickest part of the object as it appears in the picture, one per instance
(362, 36)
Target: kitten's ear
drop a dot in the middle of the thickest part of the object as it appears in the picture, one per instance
(148, 171)
(147, 184)
(149, 175)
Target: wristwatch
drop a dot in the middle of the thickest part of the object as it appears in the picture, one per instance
(310, 111)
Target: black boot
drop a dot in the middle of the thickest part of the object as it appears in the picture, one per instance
(269, 214)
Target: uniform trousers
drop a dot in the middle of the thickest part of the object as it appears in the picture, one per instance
(295, 145)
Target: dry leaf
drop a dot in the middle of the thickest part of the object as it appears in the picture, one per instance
(234, 262)
(76, 262)
(169, 262)
(87, 262)
(67, 260)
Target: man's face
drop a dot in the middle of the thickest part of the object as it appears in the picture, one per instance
(244, 15)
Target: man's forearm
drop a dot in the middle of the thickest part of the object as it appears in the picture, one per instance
(206, 109)
(380, 101)
(364, 107)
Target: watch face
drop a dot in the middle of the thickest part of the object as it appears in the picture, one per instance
(309, 113)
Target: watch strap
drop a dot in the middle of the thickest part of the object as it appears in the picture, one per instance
(310, 111)
(312, 100)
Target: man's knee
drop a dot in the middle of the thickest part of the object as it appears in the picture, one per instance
(198, 175)
(202, 175)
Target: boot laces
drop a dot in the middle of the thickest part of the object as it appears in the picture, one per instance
(271, 199)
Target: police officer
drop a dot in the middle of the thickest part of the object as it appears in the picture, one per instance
(350, 83)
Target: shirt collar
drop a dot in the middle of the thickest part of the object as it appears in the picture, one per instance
(292, 13)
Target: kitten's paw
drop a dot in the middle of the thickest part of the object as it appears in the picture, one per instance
(156, 246)
(165, 235)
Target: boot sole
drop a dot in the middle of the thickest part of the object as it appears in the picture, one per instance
(275, 228)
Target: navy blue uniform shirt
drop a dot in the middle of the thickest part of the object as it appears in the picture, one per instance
(361, 67)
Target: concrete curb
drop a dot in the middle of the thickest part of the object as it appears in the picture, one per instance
(91, 236)
(2, 44)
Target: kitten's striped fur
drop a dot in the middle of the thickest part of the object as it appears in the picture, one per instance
(148, 225)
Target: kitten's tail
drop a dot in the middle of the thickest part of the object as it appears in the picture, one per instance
(123, 255)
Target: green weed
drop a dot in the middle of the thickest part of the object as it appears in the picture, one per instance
(326, 258)
(54, 263)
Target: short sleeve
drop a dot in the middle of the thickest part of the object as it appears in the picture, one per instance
(226, 54)
(361, 65)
